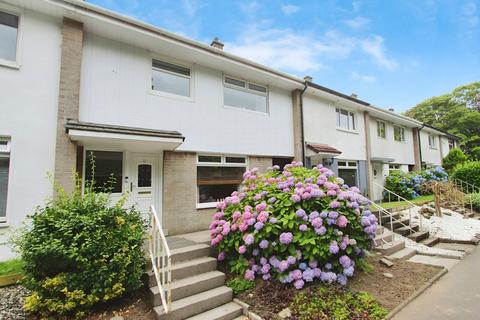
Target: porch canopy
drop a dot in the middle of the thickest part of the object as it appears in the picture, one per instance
(381, 159)
(113, 136)
(322, 150)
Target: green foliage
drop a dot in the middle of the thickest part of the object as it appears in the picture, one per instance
(473, 198)
(239, 285)
(454, 157)
(13, 266)
(468, 172)
(81, 250)
(335, 304)
(456, 112)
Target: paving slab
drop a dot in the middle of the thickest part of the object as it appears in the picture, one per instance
(433, 260)
(468, 248)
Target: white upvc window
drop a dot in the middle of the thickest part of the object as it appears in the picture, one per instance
(242, 94)
(432, 141)
(4, 173)
(394, 167)
(217, 177)
(345, 119)
(9, 37)
(348, 171)
(398, 133)
(171, 78)
(381, 129)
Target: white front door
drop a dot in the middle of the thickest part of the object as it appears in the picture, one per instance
(378, 180)
(142, 181)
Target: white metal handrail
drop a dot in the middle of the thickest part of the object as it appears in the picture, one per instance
(381, 213)
(161, 259)
(468, 185)
(400, 198)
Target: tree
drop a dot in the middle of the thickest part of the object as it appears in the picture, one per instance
(454, 157)
(457, 112)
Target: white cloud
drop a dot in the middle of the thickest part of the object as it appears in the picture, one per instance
(361, 77)
(374, 47)
(357, 23)
(289, 9)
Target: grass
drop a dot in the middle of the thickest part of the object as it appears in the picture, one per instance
(418, 201)
(10, 267)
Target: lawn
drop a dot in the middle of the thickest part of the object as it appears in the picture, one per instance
(10, 267)
(418, 201)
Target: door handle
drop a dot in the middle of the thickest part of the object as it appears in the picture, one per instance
(131, 186)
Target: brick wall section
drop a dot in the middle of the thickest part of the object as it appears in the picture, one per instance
(262, 163)
(297, 125)
(68, 101)
(180, 195)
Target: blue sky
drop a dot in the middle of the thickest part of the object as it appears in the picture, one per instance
(391, 53)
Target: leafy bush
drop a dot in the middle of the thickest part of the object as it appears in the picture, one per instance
(454, 157)
(468, 172)
(409, 185)
(81, 250)
(474, 198)
(295, 226)
(323, 304)
(239, 285)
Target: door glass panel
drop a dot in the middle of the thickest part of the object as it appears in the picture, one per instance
(144, 175)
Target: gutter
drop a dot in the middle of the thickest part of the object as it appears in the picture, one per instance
(420, 145)
(304, 158)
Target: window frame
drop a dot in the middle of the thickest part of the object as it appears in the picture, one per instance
(432, 138)
(6, 154)
(402, 135)
(247, 90)
(384, 129)
(350, 114)
(178, 64)
(222, 163)
(349, 165)
(18, 50)
(394, 167)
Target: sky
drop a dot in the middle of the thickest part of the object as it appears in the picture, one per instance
(393, 54)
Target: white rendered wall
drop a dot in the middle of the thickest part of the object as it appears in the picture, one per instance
(115, 89)
(430, 156)
(28, 107)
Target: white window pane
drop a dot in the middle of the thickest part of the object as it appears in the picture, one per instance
(171, 83)
(210, 159)
(338, 117)
(4, 166)
(242, 99)
(8, 36)
(343, 119)
(235, 82)
(258, 88)
(171, 67)
(234, 159)
(351, 121)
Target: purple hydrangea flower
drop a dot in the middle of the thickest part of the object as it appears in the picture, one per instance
(300, 213)
(345, 261)
(298, 284)
(259, 225)
(263, 244)
(308, 275)
(302, 266)
(303, 227)
(286, 237)
(334, 204)
(273, 220)
(334, 247)
(321, 231)
(283, 266)
(255, 252)
(242, 249)
(348, 271)
(221, 256)
(249, 275)
(341, 279)
(248, 239)
(317, 223)
(291, 260)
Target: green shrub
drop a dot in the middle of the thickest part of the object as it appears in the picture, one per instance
(468, 172)
(453, 158)
(332, 303)
(81, 250)
(474, 198)
(239, 285)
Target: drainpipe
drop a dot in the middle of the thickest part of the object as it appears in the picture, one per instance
(304, 158)
(420, 145)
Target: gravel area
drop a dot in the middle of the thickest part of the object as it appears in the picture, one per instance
(453, 226)
(11, 302)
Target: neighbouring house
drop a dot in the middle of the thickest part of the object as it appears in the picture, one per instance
(175, 121)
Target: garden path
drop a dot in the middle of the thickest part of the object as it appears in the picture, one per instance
(455, 296)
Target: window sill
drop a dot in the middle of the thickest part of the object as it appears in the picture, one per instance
(9, 64)
(4, 224)
(400, 141)
(347, 131)
(432, 148)
(170, 95)
(207, 205)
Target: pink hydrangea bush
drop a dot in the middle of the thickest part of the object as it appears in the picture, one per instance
(297, 225)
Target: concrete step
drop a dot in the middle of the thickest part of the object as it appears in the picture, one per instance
(405, 253)
(195, 304)
(397, 224)
(186, 269)
(419, 236)
(386, 218)
(407, 230)
(188, 286)
(190, 252)
(430, 242)
(388, 249)
(434, 261)
(227, 311)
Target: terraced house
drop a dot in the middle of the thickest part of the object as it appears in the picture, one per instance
(175, 121)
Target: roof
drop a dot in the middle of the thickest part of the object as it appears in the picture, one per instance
(336, 93)
(108, 128)
(323, 148)
(448, 134)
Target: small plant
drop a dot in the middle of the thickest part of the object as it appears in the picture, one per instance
(453, 158)
(332, 303)
(239, 285)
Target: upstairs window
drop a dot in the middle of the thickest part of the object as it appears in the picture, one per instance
(399, 133)
(432, 141)
(245, 95)
(381, 129)
(8, 36)
(345, 119)
(170, 78)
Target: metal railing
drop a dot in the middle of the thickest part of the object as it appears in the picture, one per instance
(466, 188)
(381, 214)
(410, 204)
(161, 259)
